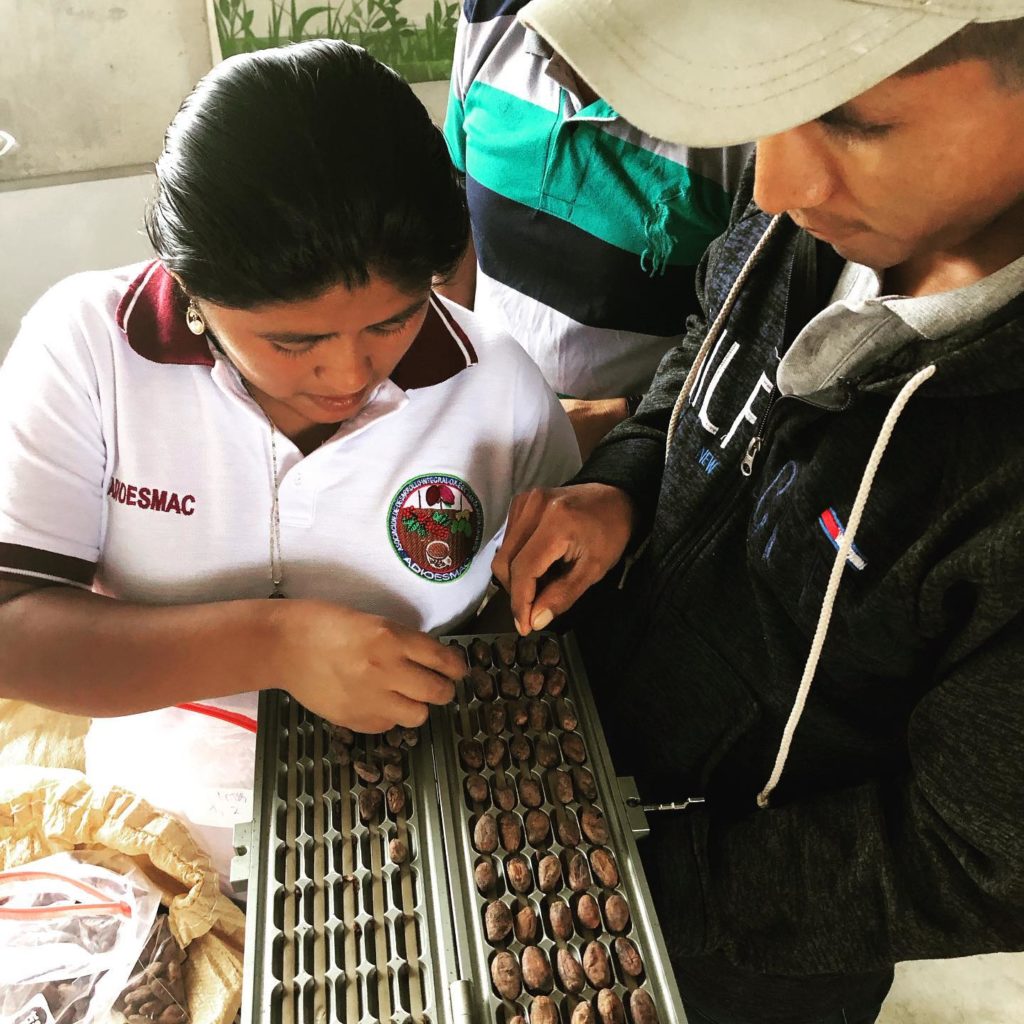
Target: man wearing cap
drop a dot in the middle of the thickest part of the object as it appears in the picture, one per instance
(816, 515)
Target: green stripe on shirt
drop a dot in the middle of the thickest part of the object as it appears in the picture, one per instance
(586, 172)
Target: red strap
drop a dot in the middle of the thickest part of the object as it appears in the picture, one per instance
(242, 721)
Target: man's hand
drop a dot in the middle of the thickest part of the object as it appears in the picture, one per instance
(558, 543)
(592, 420)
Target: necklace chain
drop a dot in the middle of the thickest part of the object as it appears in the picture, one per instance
(276, 561)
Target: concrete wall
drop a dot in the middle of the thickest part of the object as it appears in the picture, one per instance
(48, 233)
(89, 85)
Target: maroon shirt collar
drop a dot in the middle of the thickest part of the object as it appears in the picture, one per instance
(151, 314)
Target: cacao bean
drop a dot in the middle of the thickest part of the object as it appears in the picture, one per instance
(530, 792)
(525, 924)
(370, 803)
(583, 1014)
(555, 682)
(596, 965)
(549, 873)
(505, 650)
(387, 754)
(605, 868)
(494, 751)
(519, 747)
(548, 652)
(526, 650)
(476, 788)
(538, 827)
(518, 869)
(579, 873)
(393, 737)
(493, 718)
(547, 751)
(574, 748)
(471, 754)
(539, 718)
(616, 913)
(393, 773)
(536, 970)
(588, 913)
(594, 825)
(533, 681)
(151, 1009)
(565, 715)
(344, 735)
(561, 787)
(519, 713)
(482, 684)
(511, 832)
(367, 772)
(560, 919)
(609, 1007)
(584, 783)
(485, 876)
(568, 829)
(172, 1015)
(641, 1007)
(570, 972)
(497, 921)
(504, 796)
(485, 834)
(398, 851)
(629, 957)
(395, 797)
(411, 737)
(543, 1010)
(505, 975)
(508, 684)
(480, 653)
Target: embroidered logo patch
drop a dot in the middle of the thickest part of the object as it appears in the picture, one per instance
(436, 523)
(833, 528)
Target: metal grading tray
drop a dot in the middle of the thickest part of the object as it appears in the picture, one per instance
(337, 932)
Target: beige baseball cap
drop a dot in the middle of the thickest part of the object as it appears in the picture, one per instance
(719, 72)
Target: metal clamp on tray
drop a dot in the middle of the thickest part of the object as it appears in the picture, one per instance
(480, 869)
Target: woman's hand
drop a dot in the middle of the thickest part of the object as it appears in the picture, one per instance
(558, 543)
(361, 670)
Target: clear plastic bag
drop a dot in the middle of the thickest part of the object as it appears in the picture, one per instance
(156, 989)
(71, 932)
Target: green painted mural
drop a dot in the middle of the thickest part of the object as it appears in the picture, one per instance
(414, 37)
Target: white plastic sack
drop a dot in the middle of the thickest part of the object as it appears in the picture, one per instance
(192, 765)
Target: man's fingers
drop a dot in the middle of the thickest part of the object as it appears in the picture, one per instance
(523, 517)
(544, 549)
(562, 593)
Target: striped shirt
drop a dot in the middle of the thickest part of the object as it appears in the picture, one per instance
(587, 230)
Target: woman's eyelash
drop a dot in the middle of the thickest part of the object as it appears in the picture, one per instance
(392, 329)
(292, 350)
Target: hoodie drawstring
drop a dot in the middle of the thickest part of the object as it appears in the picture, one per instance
(845, 547)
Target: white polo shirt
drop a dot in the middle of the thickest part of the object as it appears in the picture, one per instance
(133, 460)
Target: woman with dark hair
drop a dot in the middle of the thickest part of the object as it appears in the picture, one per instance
(277, 406)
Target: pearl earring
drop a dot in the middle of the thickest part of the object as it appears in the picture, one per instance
(194, 319)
